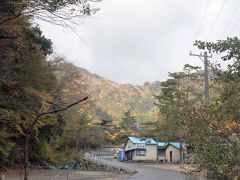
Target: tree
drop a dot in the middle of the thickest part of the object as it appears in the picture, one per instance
(57, 12)
(27, 82)
(175, 97)
(214, 132)
(26, 78)
(29, 91)
(30, 130)
(129, 122)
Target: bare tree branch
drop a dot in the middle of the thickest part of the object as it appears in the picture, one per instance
(20, 13)
(30, 131)
(64, 14)
(54, 112)
(8, 37)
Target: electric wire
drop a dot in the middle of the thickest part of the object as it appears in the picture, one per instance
(216, 20)
(228, 24)
(230, 20)
(202, 19)
(200, 25)
(235, 26)
(223, 33)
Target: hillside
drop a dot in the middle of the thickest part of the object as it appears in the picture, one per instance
(108, 99)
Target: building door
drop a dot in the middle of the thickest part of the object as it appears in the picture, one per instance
(130, 155)
(170, 154)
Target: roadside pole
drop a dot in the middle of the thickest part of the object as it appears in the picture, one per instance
(157, 151)
(205, 56)
(67, 172)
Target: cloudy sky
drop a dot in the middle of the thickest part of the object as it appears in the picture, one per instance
(134, 41)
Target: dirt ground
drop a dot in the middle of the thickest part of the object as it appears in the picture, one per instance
(188, 170)
(171, 167)
(41, 174)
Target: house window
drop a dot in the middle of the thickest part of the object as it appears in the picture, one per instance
(140, 145)
(140, 152)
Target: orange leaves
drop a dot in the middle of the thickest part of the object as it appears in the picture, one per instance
(226, 128)
(44, 97)
(232, 125)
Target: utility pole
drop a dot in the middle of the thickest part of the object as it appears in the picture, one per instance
(205, 56)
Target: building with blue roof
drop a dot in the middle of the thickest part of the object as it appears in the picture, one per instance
(164, 144)
(140, 149)
(170, 151)
(143, 148)
(140, 140)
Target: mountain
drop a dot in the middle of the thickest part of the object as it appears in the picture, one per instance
(108, 99)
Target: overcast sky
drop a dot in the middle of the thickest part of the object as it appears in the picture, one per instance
(134, 41)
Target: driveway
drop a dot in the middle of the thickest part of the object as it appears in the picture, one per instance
(143, 172)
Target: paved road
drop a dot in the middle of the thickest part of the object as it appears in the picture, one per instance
(146, 173)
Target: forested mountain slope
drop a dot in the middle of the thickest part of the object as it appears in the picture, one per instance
(108, 99)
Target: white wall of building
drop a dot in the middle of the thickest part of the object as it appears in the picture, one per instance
(151, 153)
(175, 154)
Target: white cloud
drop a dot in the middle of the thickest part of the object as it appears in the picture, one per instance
(133, 41)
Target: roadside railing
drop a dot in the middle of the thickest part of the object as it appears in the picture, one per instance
(56, 176)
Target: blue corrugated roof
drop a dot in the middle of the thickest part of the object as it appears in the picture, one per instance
(164, 144)
(145, 140)
(176, 144)
(142, 140)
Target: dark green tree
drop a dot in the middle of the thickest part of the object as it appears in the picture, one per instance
(129, 122)
(177, 94)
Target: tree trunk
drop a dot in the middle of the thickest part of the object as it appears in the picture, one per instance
(26, 156)
(30, 133)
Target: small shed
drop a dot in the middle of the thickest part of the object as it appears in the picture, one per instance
(169, 152)
(173, 152)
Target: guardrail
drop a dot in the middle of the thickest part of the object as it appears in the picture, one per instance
(101, 153)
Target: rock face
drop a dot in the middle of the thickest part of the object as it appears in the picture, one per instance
(154, 86)
(109, 100)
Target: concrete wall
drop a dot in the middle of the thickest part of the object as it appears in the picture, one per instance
(175, 154)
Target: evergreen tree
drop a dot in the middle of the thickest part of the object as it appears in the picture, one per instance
(129, 121)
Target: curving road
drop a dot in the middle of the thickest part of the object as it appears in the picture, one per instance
(147, 173)
(143, 172)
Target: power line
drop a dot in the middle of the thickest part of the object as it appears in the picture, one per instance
(230, 21)
(235, 25)
(202, 19)
(216, 20)
(200, 25)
